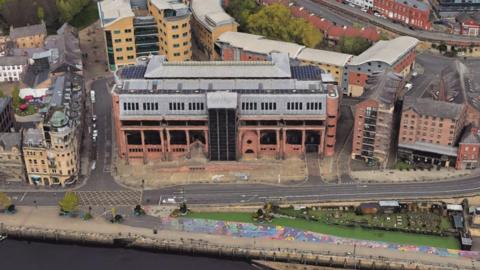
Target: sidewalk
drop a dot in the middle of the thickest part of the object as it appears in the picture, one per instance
(47, 218)
(392, 176)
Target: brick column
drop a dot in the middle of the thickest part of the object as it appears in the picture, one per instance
(205, 132)
(258, 143)
(144, 149)
(277, 131)
(187, 133)
(284, 142)
(322, 141)
(168, 141)
(162, 138)
(303, 141)
(126, 146)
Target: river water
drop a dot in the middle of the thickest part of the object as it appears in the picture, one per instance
(21, 255)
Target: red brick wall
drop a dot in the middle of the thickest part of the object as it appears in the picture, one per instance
(406, 61)
(467, 152)
(332, 120)
(228, 54)
(358, 124)
(416, 17)
(357, 78)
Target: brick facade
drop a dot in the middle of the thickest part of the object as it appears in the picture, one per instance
(411, 13)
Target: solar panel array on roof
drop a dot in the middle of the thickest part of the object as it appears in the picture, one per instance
(305, 73)
(133, 72)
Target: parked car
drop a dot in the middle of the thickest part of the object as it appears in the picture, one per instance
(409, 86)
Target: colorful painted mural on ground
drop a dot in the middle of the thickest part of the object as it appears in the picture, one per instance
(250, 230)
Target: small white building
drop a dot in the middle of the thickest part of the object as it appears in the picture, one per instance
(12, 67)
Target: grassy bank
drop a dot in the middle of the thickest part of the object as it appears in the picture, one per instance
(342, 231)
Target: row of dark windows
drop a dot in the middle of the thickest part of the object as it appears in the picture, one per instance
(172, 106)
(194, 106)
(272, 106)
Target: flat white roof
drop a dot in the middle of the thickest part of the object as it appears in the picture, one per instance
(222, 100)
(325, 57)
(261, 45)
(210, 13)
(388, 203)
(279, 67)
(454, 207)
(169, 4)
(431, 148)
(387, 51)
(113, 10)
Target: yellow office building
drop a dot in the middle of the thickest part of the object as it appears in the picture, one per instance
(174, 34)
(209, 22)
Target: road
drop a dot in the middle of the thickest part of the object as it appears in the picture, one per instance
(326, 13)
(351, 13)
(101, 178)
(256, 193)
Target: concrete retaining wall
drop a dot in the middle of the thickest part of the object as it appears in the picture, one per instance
(205, 248)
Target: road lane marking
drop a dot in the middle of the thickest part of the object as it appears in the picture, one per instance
(23, 197)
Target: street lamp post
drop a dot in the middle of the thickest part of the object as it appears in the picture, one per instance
(354, 254)
(141, 194)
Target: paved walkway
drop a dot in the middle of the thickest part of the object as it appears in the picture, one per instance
(47, 218)
(391, 176)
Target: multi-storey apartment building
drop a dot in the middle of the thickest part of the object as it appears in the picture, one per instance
(457, 85)
(7, 115)
(469, 149)
(430, 131)
(174, 34)
(116, 18)
(236, 46)
(208, 23)
(51, 149)
(225, 110)
(11, 163)
(376, 119)
(397, 54)
(414, 13)
(12, 68)
(143, 27)
(31, 36)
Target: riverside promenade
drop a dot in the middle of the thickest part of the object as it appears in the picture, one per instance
(44, 222)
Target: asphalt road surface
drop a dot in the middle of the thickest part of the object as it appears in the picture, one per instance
(257, 193)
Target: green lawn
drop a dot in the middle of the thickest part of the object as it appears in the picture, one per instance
(342, 231)
(86, 17)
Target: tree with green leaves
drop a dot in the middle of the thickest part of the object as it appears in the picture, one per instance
(69, 202)
(40, 14)
(241, 11)
(5, 201)
(442, 47)
(69, 8)
(277, 22)
(16, 100)
(354, 45)
(1, 93)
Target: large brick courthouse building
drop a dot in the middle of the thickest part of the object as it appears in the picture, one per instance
(228, 110)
